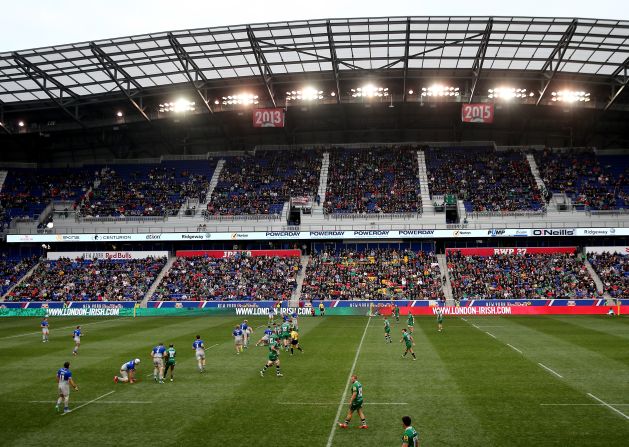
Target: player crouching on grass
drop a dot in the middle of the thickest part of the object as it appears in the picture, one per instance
(265, 337)
(408, 340)
(355, 404)
(274, 358)
(127, 372)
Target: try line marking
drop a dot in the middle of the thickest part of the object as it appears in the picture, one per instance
(514, 348)
(88, 402)
(581, 405)
(490, 334)
(608, 406)
(334, 403)
(349, 378)
(112, 402)
(550, 370)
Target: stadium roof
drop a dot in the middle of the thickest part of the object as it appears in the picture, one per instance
(589, 51)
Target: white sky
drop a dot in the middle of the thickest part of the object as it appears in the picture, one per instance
(36, 23)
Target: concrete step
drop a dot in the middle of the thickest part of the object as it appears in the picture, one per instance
(296, 296)
(158, 280)
(26, 275)
(447, 285)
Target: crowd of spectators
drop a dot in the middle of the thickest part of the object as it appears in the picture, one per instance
(485, 179)
(373, 274)
(240, 277)
(89, 280)
(12, 270)
(261, 184)
(375, 180)
(581, 176)
(613, 269)
(511, 276)
(147, 191)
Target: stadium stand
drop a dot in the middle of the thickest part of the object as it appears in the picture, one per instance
(591, 182)
(261, 184)
(372, 274)
(510, 276)
(485, 179)
(613, 269)
(89, 280)
(236, 278)
(374, 180)
(12, 270)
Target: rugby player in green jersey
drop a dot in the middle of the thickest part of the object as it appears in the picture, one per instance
(411, 322)
(410, 438)
(387, 330)
(396, 312)
(170, 361)
(274, 358)
(355, 404)
(408, 340)
(285, 334)
(440, 319)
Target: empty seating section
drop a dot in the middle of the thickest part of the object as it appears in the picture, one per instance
(236, 278)
(147, 189)
(261, 184)
(510, 276)
(592, 182)
(11, 270)
(375, 180)
(372, 274)
(89, 280)
(613, 269)
(485, 179)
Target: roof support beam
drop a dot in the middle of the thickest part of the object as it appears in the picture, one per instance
(3, 125)
(620, 79)
(335, 62)
(263, 65)
(477, 67)
(190, 68)
(407, 46)
(120, 77)
(556, 57)
(46, 83)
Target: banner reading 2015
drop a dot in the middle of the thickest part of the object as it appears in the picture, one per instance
(477, 113)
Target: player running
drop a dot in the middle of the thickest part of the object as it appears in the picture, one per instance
(76, 335)
(238, 339)
(285, 334)
(170, 362)
(265, 337)
(274, 358)
(44, 330)
(408, 340)
(396, 312)
(387, 331)
(64, 380)
(157, 354)
(355, 404)
(246, 330)
(439, 320)
(294, 341)
(411, 322)
(199, 350)
(127, 372)
(410, 438)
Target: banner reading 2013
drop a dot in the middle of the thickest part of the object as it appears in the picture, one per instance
(270, 117)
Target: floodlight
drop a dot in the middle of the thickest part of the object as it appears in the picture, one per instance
(570, 96)
(440, 90)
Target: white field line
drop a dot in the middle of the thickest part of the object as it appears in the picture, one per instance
(491, 335)
(464, 319)
(334, 403)
(581, 405)
(609, 406)
(65, 327)
(550, 370)
(109, 402)
(215, 344)
(475, 326)
(88, 402)
(514, 348)
(349, 378)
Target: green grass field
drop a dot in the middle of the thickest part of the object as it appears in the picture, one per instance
(481, 382)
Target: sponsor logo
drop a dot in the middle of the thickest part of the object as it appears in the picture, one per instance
(327, 233)
(153, 237)
(551, 232)
(192, 236)
(235, 236)
(612, 230)
(282, 233)
(265, 310)
(372, 233)
(118, 255)
(457, 233)
(83, 312)
(572, 303)
(521, 232)
(112, 237)
(178, 305)
(417, 232)
(234, 253)
(26, 238)
(596, 232)
(494, 233)
(450, 310)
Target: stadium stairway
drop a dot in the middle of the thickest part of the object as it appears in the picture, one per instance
(296, 296)
(3, 177)
(153, 288)
(427, 206)
(26, 275)
(323, 184)
(213, 182)
(535, 171)
(446, 285)
(597, 280)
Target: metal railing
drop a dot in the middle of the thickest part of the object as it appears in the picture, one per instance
(378, 216)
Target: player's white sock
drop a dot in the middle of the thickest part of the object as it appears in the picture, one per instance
(59, 401)
(66, 401)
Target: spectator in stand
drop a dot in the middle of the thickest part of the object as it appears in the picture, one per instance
(613, 269)
(372, 275)
(514, 276)
(373, 181)
(240, 277)
(89, 280)
(12, 270)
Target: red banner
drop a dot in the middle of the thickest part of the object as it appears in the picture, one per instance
(273, 117)
(477, 113)
(231, 253)
(514, 310)
(511, 251)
